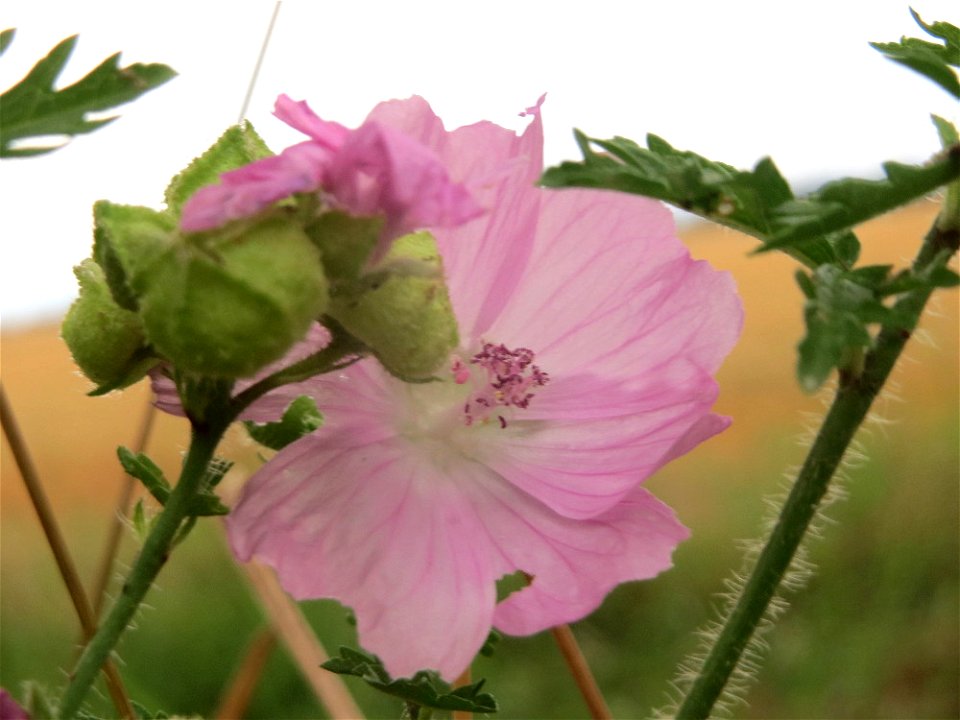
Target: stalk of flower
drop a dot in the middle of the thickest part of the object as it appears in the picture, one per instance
(587, 343)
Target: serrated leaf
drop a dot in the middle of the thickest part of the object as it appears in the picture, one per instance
(33, 108)
(748, 201)
(205, 504)
(239, 145)
(301, 418)
(932, 60)
(142, 468)
(842, 204)
(425, 688)
(840, 306)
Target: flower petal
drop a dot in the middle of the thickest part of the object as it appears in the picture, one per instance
(351, 515)
(299, 115)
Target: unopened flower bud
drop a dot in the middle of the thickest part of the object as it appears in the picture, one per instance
(106, 340)
(404, 314)
(225, 305)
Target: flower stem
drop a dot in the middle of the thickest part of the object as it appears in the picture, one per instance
(854, 397)
(580, 670)
(58, 546)
(152, 557)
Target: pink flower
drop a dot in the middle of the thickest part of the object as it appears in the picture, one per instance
(10, 709)
(376, 169)
(589, 341)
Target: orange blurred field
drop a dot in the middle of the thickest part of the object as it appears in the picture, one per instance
(73, 437)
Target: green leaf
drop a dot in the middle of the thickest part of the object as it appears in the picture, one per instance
(204, 503)
(842, 204)
(301, 418)
(142, 468)
(748, 201)
(839, 307)
(6, 37)
(932, 60)
(238, 146)
(424, 689)
(32, 108)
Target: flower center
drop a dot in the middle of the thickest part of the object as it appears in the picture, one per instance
(502, 379)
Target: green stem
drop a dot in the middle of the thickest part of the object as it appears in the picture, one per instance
(152, 557)
(850, 406)
(212, 412)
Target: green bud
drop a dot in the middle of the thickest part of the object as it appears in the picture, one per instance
(127, 240)
(345, 243)
(225, 304)
(239, 145)
(106, 340)
(402, 310)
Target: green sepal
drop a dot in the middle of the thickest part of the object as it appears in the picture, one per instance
(932, 60)
(239, 145)
(424, 689)
(32, 108)
(401, 310)
(345, 243)
(127, 241)
(301, 418)
(107, 342)
(227, 303)
(490, 644)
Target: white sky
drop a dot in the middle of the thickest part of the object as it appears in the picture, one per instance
(733, 80)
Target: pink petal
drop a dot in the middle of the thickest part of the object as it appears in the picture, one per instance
(609, 289)
(248, 190)
(330, 135)
(413, 535)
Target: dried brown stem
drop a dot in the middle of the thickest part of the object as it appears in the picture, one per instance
(236, 699)
(580, 670)
(305, 649)
(58, 546)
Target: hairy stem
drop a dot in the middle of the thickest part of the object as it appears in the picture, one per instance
(58, 545)
(115, 532)
(152, 558)
(854, 397)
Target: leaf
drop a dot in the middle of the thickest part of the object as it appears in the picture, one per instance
(301, 418)
(425, 688)
(6, 37)
(32, 108)
(842, 204)
(747, 201)
(839, 307)
(142, 468)
(238, 146)
(932, 60)
(815, 229)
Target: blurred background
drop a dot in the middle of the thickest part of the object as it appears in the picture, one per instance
(876, 632)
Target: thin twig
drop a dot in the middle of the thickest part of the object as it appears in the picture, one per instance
(236, 698)
(305, 649)
(115, 532)
(256, 68)
(580, 670)
(58, 546)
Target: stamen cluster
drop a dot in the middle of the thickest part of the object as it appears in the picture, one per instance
(511, 380)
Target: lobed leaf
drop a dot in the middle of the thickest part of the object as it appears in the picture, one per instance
(33, 108)
(425, 688)
(934, 61)
(301, 418)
